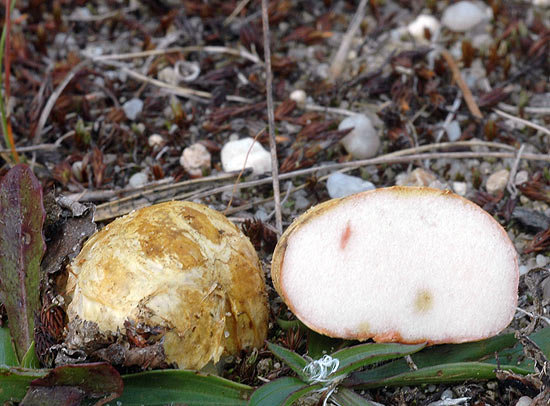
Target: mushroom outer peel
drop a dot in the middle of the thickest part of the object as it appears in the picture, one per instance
(399, 264)
(182, 267)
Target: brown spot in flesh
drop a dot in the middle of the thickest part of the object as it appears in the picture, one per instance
(423, 301)
(344, 238)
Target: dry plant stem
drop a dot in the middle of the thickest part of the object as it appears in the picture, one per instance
(530, 110)
(102, 17)
(522, 121)
(271, 119)
(53, 98)
(341, 55)
(468, 97)
(242, 4)
(210, 49)
(510, 185)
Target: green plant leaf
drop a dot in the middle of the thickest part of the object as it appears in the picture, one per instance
(445, 373)
(347, 397)
(281, 392)
(98, 381)
(358, 356)
(438, 356)
(15, 381)
(30, 359)
(22, 246)
(182, 387)
(319, 344)
(293, 360)
(7, 352)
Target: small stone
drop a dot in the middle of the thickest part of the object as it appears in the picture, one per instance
(541, 260)
(299, 96)
(132, 108)
(418, 177)
(363, 141)
(447, 394)
(138, 179)
(521, 178)
(234, 155)
(463, 16)
(169, 75)
(453, 131)
(531, 218)
(424, 22)
(460, 188)
(195, 159)
(497, 181)
(341, 185)
(301, 202)
(524, 401)
(155, 140)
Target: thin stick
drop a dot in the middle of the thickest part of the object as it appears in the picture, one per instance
(522, 121)
(527, 109)
(242, 4)
(341, 55)
(271, 119)
(457, 76)
(53, 98)
(510, 185)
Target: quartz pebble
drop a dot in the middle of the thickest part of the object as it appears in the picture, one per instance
(521, 178)
(423, 22)
(463, 16)
(299, 96)
(155, 140)
(524, 401)
(453, 131)
(541, 260)
(497, 181)
(234, 155)
(341, 185)
(363, 141)
(418, 177)
(195, 159)
(132, 108)
(138, 179)
(460, 188)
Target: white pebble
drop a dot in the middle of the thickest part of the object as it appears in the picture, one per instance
(420, 24)
(463, 16)
(453, 131)
(341, 185)
(418, 177)
(169, 75)
(521, 178)
(138, 179)
(132, 108)
(195, 159)
(497, 181)
(299, 96)
(541, 260)
(460, 188)
(155, 140)
(76, 169)
(233, 156)
(524, 401)
(363, 141)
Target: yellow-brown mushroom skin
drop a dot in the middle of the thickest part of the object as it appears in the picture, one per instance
(180, 266)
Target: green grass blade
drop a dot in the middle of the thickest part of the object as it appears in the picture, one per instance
(446, 373)
(7, 351)
(358, 356)
(347, 397)
(281, 392)
(181, 387)
(293, 360)
(30, 359)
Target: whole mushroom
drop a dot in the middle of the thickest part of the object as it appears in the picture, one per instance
(179, 267)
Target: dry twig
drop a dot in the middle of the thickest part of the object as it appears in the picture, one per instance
(271, 119)
(468, 97)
